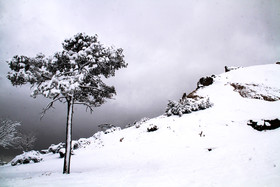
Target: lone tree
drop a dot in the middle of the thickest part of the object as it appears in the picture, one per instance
(73, 76)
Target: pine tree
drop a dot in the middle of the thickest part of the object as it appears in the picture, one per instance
(73, 75)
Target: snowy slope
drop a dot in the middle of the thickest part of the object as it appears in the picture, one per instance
(211, 147)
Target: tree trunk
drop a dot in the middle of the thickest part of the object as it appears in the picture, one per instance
(68, 149)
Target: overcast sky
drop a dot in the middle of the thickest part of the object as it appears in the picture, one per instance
(168, 45)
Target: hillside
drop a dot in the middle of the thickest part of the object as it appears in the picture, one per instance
(203, 140)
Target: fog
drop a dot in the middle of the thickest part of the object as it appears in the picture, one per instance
(168, 46)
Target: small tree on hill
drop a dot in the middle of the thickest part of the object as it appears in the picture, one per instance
(73, 75)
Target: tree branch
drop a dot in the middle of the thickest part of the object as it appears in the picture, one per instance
(50, 105)
(46, 77)
(90, 87)
(87, 106)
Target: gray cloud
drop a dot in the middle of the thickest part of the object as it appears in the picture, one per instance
(168, 45)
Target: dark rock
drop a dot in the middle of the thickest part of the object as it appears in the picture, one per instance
(35, 160)
(61, 153)
(201, 134)
(76, 145)
(227, 69)
(26, 161)
(205, 81)
(264, 124)
(152, 128)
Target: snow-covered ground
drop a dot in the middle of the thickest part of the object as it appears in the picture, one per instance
(211, 147)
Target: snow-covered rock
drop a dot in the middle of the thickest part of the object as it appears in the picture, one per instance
(27, 157)
(152, 128)
(268, 124)
(205, 81)
(81, 143)
(55, 148)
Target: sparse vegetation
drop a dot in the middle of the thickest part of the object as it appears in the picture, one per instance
(254, 91)
(187, 105)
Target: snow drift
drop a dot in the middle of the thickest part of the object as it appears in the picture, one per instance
(215, 146)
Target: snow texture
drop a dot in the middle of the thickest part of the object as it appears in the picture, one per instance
(212, 147)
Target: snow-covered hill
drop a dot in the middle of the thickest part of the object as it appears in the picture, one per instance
(210, 147)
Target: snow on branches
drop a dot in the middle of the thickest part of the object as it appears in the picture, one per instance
(73, 75)
(10, 137)
(75, 71)
(8, 133)
(187, 105)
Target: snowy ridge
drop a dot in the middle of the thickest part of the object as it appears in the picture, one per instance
(210, 147)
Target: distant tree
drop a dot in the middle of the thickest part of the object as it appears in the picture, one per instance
(8, 133)
(26, 141)
(73, 76)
